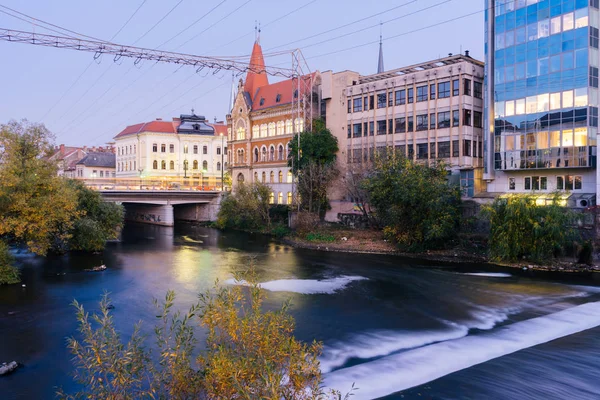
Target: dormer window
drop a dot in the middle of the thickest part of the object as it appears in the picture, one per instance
(296, 93)
(278, 98)
(196, 127)
(262, 101)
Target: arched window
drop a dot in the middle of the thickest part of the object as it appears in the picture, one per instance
(195, 164)
(289, 149)
(204, 165)
(263, 157)
(299, 125)
(240, 178)
(154, 147)
(289, 177)
(289, 198)
(263, 130)
(272, 153)
(163, 164)
(225, 165)
(254, 131)
(280, 198)
(280, 153)
(264, 177)
(218, 166)
(240, 156)
(280, 177)
(288, 126)
(241, 133)
(256, 177)
(256, 154)
(272, 198)
(271, 129)
(280, 128)
(272, 177)
(172, 165)
(155, 164)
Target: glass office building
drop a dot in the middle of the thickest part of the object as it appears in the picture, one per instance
(541, 95)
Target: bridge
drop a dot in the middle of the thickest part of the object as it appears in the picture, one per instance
(161, 202)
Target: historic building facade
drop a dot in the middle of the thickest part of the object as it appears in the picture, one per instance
(542, 66)
(260, 127)
(187, 148)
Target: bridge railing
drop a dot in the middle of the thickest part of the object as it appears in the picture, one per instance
(120, 184)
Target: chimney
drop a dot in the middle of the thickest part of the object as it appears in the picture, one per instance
(159, 119)
(467, 53)
(62, 148)
(449, 54)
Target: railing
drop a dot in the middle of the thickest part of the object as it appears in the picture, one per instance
(180, 184)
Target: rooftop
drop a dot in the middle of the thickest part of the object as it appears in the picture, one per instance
(105, 160)
(185, 124)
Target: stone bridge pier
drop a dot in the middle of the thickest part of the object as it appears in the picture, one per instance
(166, 207)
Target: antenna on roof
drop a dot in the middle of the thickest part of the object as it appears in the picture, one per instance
(192, 110)
(255, 30)
(258, 40)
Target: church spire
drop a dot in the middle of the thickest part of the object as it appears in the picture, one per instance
(380, 68)
(257, 74)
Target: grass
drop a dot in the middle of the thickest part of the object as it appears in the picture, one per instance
(320, 237)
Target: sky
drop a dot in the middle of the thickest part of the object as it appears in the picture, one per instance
(83, 101)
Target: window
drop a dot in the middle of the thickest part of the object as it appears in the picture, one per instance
(195, 164)
(444, 150)
(195, 149)
(289, 177)
(422, 93)
(422, 151)
(163, 164)
(381, 127)
(357, 104)
(272, 153)
(280, 198)
(289, 197)
(466, 117)
(543, 183)
(218, 166)
(280, 177)
(204, 149)
(477, 119)
(163, 148)
(262, 101)
(205, 165)
(172, 165)
(594, 77)
(422, 123)
(527, 183)
(411, 95)
(381, 100)
(357, 130)
(594, 34)
(467, 87)
(455, 118)
(278, 98)
(263, 154)
(400, 125)
(455, 149)
(154, 165)
(443, 90)
(409, 124)
(366, 103)
(443, 119)
(371, 128)
(511, 184)
(185, 149)
(455, 87)
(432, 121)
(400, 97)
(264, 177)
(171, 148)
(272, 177)
(101, 174)
(390, 126)
(154, 148)
(280, 152)
(218, 150)
(371, 102)
(349, 103)
(478, 90)
(569, 182)
(467, 148)
(390, 99)
(432, 92)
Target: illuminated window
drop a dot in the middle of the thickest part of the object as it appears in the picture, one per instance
(280, 177)
(155, 164)
(280, 198)
(195, 164)
(272, 177)
(289, 177)
(289, 197)
(204, 165)
(172, 165)
(163, 164)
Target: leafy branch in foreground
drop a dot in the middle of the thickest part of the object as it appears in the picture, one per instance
(249, 353)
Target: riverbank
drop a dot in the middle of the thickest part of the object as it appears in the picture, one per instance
(464, 249)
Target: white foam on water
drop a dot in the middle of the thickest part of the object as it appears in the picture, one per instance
(305, 286)
(490, 274)
(401, 371)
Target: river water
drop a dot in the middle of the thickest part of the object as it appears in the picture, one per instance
(396, 328)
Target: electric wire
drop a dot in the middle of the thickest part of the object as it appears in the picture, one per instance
(159, 21)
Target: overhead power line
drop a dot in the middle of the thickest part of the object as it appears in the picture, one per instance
(159, 21)
(128, 20)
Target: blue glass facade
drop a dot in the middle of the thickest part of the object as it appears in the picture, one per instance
(542, 79)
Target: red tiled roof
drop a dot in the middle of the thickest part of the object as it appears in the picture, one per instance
(153, 126)
(220, 129)
(255, 80)
(267, 95)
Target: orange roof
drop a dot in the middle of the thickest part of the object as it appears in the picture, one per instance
(220, 129)
(276, 94)
(255, 80)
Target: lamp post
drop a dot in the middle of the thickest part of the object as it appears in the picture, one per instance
(185, 168)
(222, 164)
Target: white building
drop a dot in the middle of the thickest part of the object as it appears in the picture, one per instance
(96, 166)
(187, 148)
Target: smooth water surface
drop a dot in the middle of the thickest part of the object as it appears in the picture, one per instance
(396, 328)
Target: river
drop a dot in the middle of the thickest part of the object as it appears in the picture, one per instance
(398, 329)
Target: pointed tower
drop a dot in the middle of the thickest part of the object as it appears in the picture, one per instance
(256, 76)
(380, 63)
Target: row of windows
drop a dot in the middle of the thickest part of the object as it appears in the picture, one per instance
(272, 177)
(263, 155)
(543, 65)
(431, 121)
(513, 12)
(542, 140)
(163, 149)
(126, 166)
(542, 103)
(407, 96)
(565, 157)
(567, 182)
(542, 29)
(163, 165)
(271, 129)
(424, 151)
(124, 150)
(98, 174)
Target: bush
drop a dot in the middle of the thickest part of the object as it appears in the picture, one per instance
(414, 202)
(246, 209)
(280, 231)
(306, 222)
(320, 237)
(250, 354)
(9, 274)
(522, 229)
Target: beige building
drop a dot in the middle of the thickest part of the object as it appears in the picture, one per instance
(187, 148)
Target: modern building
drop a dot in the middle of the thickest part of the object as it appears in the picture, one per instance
(428, 112)
(261, 125)
(542, 97)
(96, 166)
(187, 149)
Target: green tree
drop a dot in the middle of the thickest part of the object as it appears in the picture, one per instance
(313, 163)
(413, 201)
(35, 206)
(9, 274)
(247, 208)
(522, 228)
(249, 353)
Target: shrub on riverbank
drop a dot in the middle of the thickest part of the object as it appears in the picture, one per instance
(520, 228)
(246, 209)
(9, 274)
(250, 354)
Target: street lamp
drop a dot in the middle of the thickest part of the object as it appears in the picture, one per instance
(185, 168)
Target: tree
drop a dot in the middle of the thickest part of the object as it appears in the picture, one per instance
(35, 206)
(414, 202)
(313, 162)
(250, 354)
(355, 187)
(522, 228)
(8, 273)
(247, 208)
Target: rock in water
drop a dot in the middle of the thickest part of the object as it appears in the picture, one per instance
(6, 369)
(97, 269)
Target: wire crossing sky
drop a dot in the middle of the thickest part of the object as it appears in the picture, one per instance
(87, 101)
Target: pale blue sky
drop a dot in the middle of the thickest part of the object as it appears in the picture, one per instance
(110, 96)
